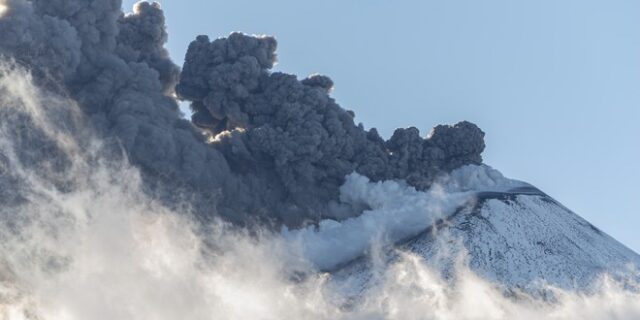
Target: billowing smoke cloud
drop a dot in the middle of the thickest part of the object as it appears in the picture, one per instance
(272, 122)
(276, 149)
(141, 38)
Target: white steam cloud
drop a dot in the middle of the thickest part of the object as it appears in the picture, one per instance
(396, 211)
(93, 245)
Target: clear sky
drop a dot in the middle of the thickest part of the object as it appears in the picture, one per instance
(554, 84)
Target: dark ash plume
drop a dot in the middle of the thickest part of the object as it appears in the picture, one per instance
(276, 123)
(265, 145)
(141, 39)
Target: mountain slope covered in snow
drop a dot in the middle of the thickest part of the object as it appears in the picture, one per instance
(510, 234)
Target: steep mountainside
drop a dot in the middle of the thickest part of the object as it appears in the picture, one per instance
(520, 239)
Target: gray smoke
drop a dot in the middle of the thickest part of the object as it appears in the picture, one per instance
(271, 122)
(262, 146)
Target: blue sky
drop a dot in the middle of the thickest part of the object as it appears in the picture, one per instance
(554, 84)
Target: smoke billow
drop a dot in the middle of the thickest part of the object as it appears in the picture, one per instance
(114, 207)
(272, 127)
(273, 148)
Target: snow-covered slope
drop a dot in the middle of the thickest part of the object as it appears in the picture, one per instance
(508, 232)
(517, 241)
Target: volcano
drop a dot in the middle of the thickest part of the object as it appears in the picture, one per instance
(519, 238)
(113, 205)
